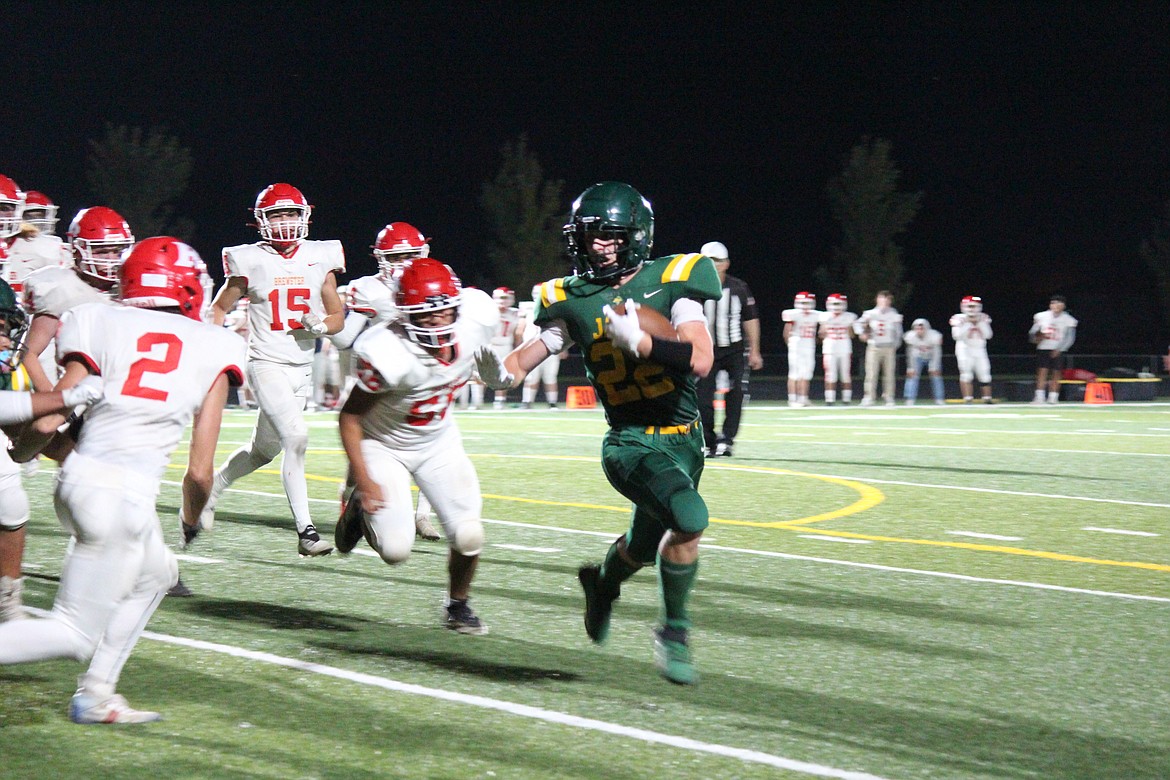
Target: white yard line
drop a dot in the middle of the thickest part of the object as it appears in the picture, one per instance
(821, 538)
(512, 708)
(1119, 531)
(892, 446)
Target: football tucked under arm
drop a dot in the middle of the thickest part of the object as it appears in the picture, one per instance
(651, 321)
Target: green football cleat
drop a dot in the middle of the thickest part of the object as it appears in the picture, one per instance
(673, 657)
(598, 605)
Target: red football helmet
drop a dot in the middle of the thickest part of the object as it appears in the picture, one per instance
(397, 243)
(99, 237)
(805, 300)
(11, 206)
(161, 272)
(836, 302)
(504, 297)
(427, 285)
(40, 211)
(972, 304)
(277, 198)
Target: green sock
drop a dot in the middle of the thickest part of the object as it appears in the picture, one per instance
(615, 569)
(675, 581)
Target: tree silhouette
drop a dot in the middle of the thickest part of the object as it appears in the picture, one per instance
(871, 212)
(140, 174)
(524, 212)
(1155, 251)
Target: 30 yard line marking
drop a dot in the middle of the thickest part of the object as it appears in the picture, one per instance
(824, 538)
(519, 710)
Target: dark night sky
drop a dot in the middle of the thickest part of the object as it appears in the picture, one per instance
(1038, 132)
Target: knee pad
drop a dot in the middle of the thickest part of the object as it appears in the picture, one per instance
(690, 511)
(966, 376)
(296, 443)
(468, 537)
(392, 551)
(13, 504)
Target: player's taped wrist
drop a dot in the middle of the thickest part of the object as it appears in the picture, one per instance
(672, 354)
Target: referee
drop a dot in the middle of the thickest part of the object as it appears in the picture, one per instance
(732, 320)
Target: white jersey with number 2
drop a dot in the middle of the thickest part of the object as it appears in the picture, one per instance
(157, 368)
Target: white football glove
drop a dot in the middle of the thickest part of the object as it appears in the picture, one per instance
(312, 323)
(623, 329)
(491, 369)
(84, 393)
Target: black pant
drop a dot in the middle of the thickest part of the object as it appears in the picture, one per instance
(731, 360)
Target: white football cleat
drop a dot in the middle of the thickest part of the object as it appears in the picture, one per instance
(86, 709)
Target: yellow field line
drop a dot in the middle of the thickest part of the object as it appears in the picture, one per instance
(870, 497)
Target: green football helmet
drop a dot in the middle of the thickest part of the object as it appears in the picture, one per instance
(609, 210)
(15, 322)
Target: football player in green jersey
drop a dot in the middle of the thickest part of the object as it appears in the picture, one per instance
(653, 451)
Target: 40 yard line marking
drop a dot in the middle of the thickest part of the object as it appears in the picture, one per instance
(519, 710)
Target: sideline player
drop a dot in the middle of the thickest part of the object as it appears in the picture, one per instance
(160, 369)
(800, 334)
(291, 286)
(505, 337)
(653, 451)
(881, 330)
(1053, 332)
(923, 356)
(971, 330)
(396, 425)
(544, 375)
(836, 335)
(369, 302)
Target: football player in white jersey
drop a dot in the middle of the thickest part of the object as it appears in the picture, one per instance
(544, 375)
(505, 337)
(161, 368)
(923, 355)
(800, 334)
(97, 237)
(971, 328)
(14, 507)
(836, 335)
(33, 244)
(369, 302)
(881, 330)
(292, 296)
(396, 424)
(1053, 332)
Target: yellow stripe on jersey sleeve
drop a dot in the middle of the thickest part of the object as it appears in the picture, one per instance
(679, 269)
(552, 292)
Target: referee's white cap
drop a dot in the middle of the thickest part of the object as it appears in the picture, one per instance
(714, 250)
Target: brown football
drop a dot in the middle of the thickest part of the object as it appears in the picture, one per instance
(651, 321)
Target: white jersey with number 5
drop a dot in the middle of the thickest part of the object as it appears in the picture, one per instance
(157, 368)
(280, 291)
(414, 388)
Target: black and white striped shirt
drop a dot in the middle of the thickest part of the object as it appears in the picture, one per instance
(726, 316)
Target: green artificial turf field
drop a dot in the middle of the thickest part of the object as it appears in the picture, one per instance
(951, 592)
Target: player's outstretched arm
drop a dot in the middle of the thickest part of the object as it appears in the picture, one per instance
(40, 333)
(227, 297)
(50, 410)
(201, 457)
(524, 358)
(350, 422)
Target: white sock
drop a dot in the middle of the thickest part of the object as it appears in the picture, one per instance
(830, 396)
(846, 395)
(1053, 397)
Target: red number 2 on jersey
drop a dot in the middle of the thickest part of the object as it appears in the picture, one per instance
(296, 302)
(169, 362)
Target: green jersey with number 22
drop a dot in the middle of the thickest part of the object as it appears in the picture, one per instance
(632, 391)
